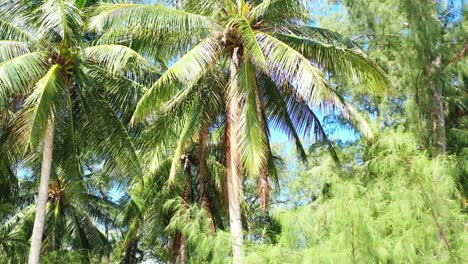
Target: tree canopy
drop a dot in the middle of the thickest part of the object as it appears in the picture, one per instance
(233, 131)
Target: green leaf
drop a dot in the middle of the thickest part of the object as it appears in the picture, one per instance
(40, 107)
(159, 18)
(116, 58)
(286, 65)
(19, 73)
(253, 140)
(185, 72)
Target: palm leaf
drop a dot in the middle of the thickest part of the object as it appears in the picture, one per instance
(186, 71)
(115, 58)
(8, 31)
(191, 127)
(287, 65)
(10, 49)
(253, 141)
(159, 18)
(61, 18)
(40, 107)
(20, 72)
(244, 32)
(342, 62)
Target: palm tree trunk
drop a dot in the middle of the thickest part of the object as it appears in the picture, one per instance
(176, 246)
(187, 193)
(264, 189)
(39, 220)
(232, 161)
(205, 201)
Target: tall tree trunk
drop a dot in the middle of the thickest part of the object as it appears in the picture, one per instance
(264, 189)
(39, 220)
(232, 161)
(186, 198)
(176, 246)
(438, 115)
(205, 201)
(130, 252)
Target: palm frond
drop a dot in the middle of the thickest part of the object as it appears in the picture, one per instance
(279, 12)
(245, 33)
(40, 107)
(107, 135)
(122, 92)
(287, 65)
(186, 71)
(277, 111)
(157, 17)
(115, 58)
(61, 18)
(11, 48)
(341, 62)
(191, 127)
(20, 72)
(8, 31)
(253, 140)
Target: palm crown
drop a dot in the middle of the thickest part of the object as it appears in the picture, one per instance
(59, 81)
(279, 71)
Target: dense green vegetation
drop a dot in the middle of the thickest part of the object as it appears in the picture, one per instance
(233, 131)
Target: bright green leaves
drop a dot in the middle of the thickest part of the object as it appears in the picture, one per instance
(116, 59)
(185, 72)
(191, 124)
(61, 20)
(240, 28)
(157, 17)
(40, 107)
(342, 62)
(20, 72)
(8, 31)
(287, 65)
(10, 49)
(252, 127)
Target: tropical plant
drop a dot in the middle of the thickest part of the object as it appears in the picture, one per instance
(270, 55)
(47, 64)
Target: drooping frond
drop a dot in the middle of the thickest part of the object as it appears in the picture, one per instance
(115, 58)
(253, 140)
(287, 65)
(279, 12)
(277, 111)
(157, 17)
(11, 48)
(9, 31)
(123, 93)
(340, 61)
(20, 72)
(244, 32)
(186, 71)
(40, 107)
(108, 136)
(191, 125)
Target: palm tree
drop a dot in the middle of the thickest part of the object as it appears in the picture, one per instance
(46, 62)
(269, 54)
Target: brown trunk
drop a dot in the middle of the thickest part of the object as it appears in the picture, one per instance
(176, 246)
(186, 198)
(437, 110)
(129, 251)
(224, 191)
(205, 201)
(263, 189)
(232, 161)
(39, 221)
